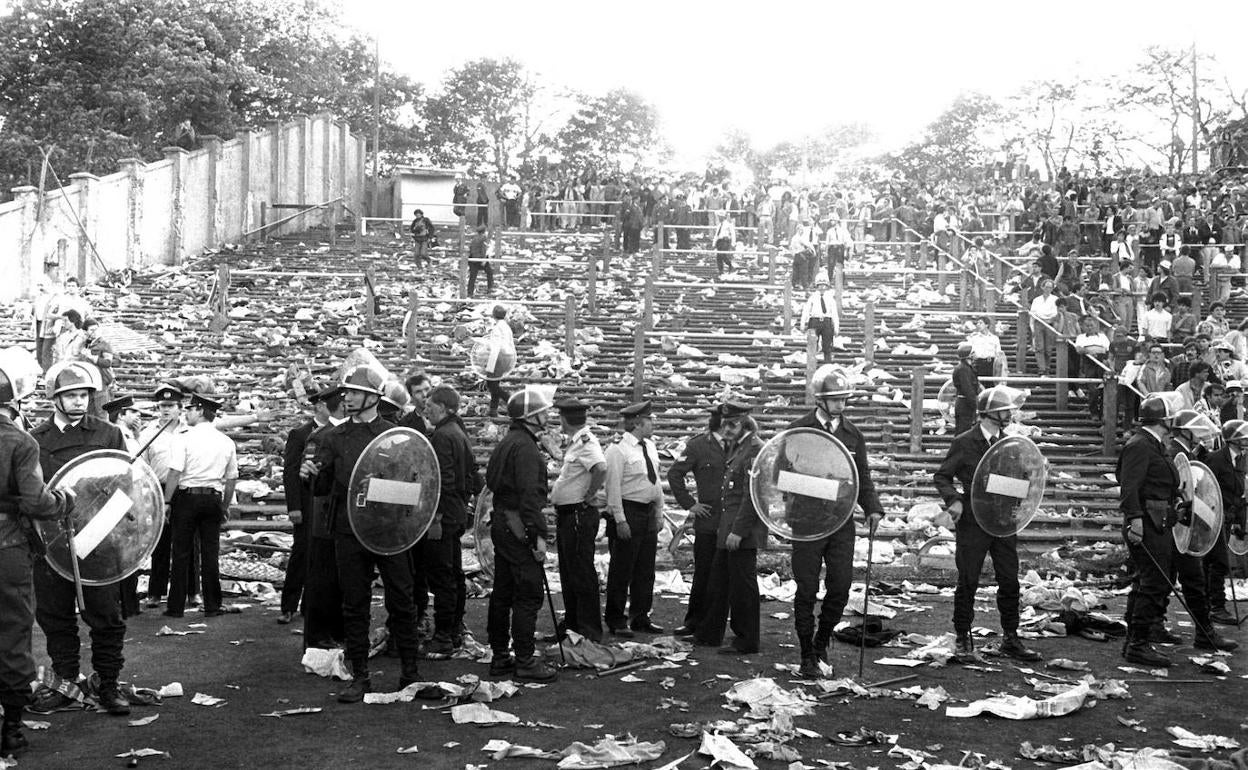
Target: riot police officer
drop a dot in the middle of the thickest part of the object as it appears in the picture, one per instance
(68, 433)
(1229, 464)
(23, 499)
(516, 474)
(996, 407)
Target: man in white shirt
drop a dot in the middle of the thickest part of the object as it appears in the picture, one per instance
(987, 356)
(725, 242)
(635, 507)
(819, 315)
(575, 497)
(203, 469)
(1157, 320)
(1043, 318)
(1092, 343)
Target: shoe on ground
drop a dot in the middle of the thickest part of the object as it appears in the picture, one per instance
(1222, 617)
(1013, 647)
(47, 701)
(216, 612)
(355, 690)
(685, 630)
(535, 670)
(502, 665)
(963, 649)
(172, 614)
(440, 644)
(12, 742)
(112, 701)
(646, 627)
(810, 668)
(285, 618)
(410, 675)
(1145, 654)
(733, 649)
(1159, 634)
(1215, 641)
(623, 633)
(153, 602)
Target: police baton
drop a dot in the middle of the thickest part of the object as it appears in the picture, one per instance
(550, 602)
(866, 598)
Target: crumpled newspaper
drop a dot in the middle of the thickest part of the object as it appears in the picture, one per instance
(1014, 707)
(481, 714)
(764, 698)
(724, 753)
(1191, 740)
(610, 752)
(327, 663)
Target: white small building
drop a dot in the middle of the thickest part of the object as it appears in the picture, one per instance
(428, 189)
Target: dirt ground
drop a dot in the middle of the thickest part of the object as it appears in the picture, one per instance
(253, 663)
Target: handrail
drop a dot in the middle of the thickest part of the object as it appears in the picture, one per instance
(299, 213)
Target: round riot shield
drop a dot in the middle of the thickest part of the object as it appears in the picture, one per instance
(947, 397)
(1237, 545)
(804, 484)
(1008, 485)
(481, 532)
(492, 359)
(119, 509)
(394, 490)
(1200, 534)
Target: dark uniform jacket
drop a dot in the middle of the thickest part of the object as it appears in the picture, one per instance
(705, 456)
(966, 383)
(1232, 483)
(739, 517)
(516, 474)
(1144, 474)
(57, 447)
(455, 462)
(339, 449)
(298, 494)
(849, 435)
(23, 494)
(965, 452)
(415, 421)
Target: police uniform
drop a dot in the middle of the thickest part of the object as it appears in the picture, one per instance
(158, 438)
(206, 463)
(23, 499)
(516, 474)
(634, 497)
(60, 441)
(442, 557)
(734, 572)
(129, 586)
(966, 387)
(298, 498)
(577, 526)
(1229, 466)
(322, 613)
(706, 457)
(834, 552)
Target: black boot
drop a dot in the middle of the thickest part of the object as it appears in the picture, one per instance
(409, 674)
(1212, 640)
(354, 690)
(810, 668)
(442, 644)
(1013, 647)
(502, 665)
(963, 649)
(534, 669)
(111, 699)
(1159, 634)
(12, 742)
(1139, 649)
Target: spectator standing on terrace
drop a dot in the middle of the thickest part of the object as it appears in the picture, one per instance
(1228, 365)
(1157, 320)
(1044, 314)
(479, 261)
(1155, 375)
(69, 337)
(483, 206)
(804, 246)
(987, 356)
(422, 233)
(682, 218)
(765, 212)
(1215, 324)
(1192, 389)
(98, 351)
(725, 242)
(1093, 346)
(819, 315)
(509, 195)
(1181, 364)
(1183, 324)
(631, 220)
(1183, 270)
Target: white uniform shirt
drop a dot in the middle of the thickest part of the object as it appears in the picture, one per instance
(157, 453)
(583, 454)
(204, 456)
(626, 475)
(821, 304)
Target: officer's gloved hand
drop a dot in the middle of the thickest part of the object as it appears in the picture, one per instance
(1135, 531)
(1238, 530)
(1184, 511)
(71, 500)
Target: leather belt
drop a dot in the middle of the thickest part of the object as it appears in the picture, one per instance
(197, 491)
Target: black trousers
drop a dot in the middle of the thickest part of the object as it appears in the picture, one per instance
(826, 333)
(195, 515)
(517, 595)
(700, 593)
(684, 239)
(498, 395)
(322, 598)
(355, 576)
(723, 255)
(630, 576)
(735, 596)
(632, 240)
(1217, 564)
(836, 553)
(420, 581)
(973, 544)
(576, 530)
(55, 610)
(158, 580)
(296, 568)
(480, 267)
(17, 607)
(1150, 589)
(444, 570)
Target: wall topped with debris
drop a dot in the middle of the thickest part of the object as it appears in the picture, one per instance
(160, 213)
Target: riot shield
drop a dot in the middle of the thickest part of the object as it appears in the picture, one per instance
(481, 532)
(1237, 545)
(361, 357)
(118, 514)
(1008, 485)
(492, 359)
(804, 484)
(947, 398)
(1198, 484)
(22, 369)
(393, 493)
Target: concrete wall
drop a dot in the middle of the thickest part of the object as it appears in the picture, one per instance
(160, 213)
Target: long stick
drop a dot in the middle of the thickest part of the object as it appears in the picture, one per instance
(143, 449)
(1234, 600)
(73, 560)
(866, 599)
(1174, 590)
(550, 602)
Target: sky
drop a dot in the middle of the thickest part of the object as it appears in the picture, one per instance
(785, 70)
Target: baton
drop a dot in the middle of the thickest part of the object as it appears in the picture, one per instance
(68, 525)
(550, 602)
(1174, 590)
(155, 435)
(866, 598)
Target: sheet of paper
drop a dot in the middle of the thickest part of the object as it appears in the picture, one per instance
(102, 524)
(1008, 486)
(809, 486)
(390, 491)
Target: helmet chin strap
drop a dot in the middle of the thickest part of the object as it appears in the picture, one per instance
(364, 405)
(73, 416)
(997, 419)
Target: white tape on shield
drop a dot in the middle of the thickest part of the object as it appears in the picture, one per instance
(390, 491)
(808, 486)
(1008, 486)
(102, 524)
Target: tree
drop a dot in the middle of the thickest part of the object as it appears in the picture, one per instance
(617, 129)
(963, 137)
